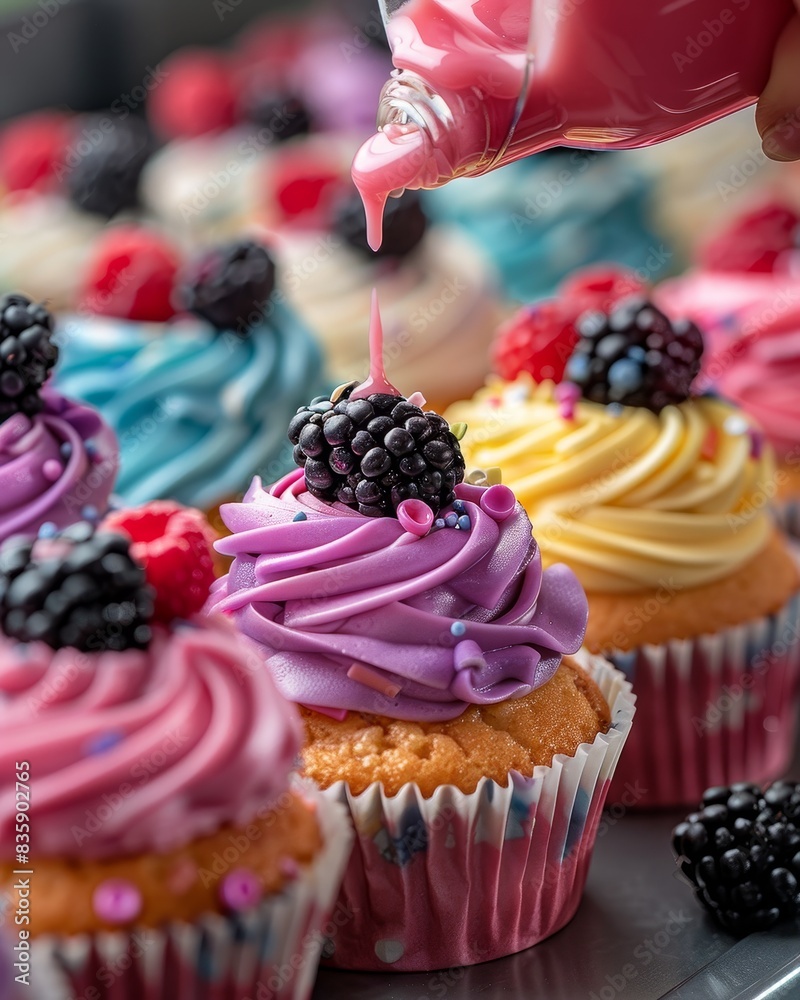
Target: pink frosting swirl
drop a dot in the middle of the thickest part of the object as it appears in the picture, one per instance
(141, 750)
(356, 613)
(54, 464)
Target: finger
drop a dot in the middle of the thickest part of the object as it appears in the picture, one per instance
(778, 112)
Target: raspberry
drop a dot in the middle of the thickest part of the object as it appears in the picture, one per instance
(599, 288)
(303, 187)
(538, 339)
(404, 224)
(27, 354)
(756, 242)
(635, 356)
(105, 180)
(197, 96)
(741, 851)
(230, 286)
(131, 275)
(81, 589)
(32, 151)
(174, 544)
(372, 454)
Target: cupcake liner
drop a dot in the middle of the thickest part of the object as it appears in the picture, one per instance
(460, 878)
(712, 711)
(269, 954)
(787, 515)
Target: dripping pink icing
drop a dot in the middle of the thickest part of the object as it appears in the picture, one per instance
(376, 381)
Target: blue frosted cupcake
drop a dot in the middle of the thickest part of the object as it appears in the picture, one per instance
(200, 400)
(543, 217)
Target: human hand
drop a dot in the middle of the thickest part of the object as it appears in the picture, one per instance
(778, 112)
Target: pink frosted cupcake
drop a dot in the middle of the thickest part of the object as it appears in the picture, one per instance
(163, 836)
(409, 615)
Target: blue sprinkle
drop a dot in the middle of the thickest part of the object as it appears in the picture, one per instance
(464, 522)
(300, 516)
(615, 409)
(65, 450)
(458, 629)
(48, 530)
(90, 513)
(451, 520)
(458, 507)
(103, 742)
(438, 524)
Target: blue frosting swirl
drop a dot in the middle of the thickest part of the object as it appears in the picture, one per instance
(542, 217)
(197, 411)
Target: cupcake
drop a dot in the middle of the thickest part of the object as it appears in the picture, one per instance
(659, 503)
(199, 399)
(58, 458)
(440, 297)
(164, 838)
(407, 612)
(540, 218)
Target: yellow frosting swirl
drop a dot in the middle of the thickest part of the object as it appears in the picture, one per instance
(630, 499)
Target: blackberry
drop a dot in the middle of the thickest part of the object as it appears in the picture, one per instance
(284, 114)
(105, 181)
(27, 354)
(81, 589)
(230, 285)
(636, 356)
(372, 454)
(404, 224)
(741, 851)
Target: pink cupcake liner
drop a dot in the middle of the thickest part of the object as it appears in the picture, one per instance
(269, 954)
(712, 711)
(458, 879)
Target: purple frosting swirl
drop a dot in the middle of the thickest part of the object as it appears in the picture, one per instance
(53, 465)
(356, 613)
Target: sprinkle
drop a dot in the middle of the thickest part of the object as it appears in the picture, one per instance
(736, 425)
(709, 449)
(65, 450)
(48, 530)
(103, 742)
(458, 430)
(458, 629)
(241, 890)
(417, 399)
(477, 477)
(468, 655)
(90, 513)
(182, 877)
(494, 475)
(438, 524)
(498, 502)
(415, 516)
(494, 401)
(567, 394)
(300, 516)
(756, 443)
(464, 523)
(451, 519)
(458, 507)
(117, 901)
(518, 393)
(615, 409)
(339, 714)
(51, 470)
(362, 674)
(290, 869)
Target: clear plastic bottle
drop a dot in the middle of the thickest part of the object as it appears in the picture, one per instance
(480, 83)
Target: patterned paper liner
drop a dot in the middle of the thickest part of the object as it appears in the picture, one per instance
(712, 711)
(458, 879)
(270, 954)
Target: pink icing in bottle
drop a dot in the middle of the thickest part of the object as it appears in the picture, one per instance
(480, 83)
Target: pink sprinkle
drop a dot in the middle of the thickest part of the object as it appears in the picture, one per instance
(756, 443)
(567, 394)
(498, 502)
(415, 517)
(241, 890)
(494, 401)
(51, 470)
(370, 678)
(117, 901)
(339, 714)
(289, 868)
(417, 399)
